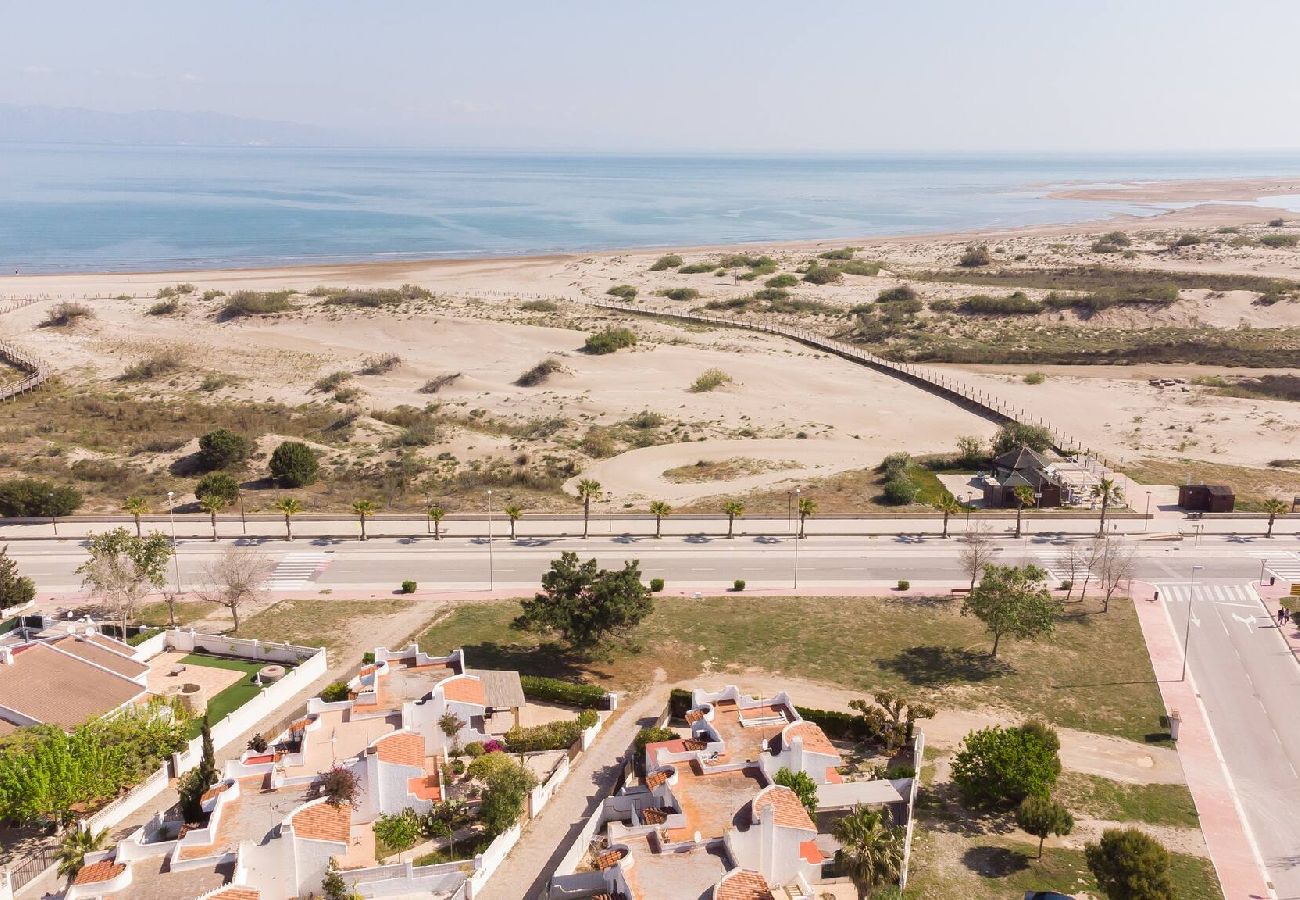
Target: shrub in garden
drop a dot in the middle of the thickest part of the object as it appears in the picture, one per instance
(408, 587)
(656, 585)
(335, 692)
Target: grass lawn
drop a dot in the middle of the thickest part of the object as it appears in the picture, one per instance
(1101, 798)
(155, 614)
(233, 697)
(921, 646)
(992, 867)
(315, 623)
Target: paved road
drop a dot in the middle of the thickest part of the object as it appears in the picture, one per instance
(1249, 685)
(686, 562)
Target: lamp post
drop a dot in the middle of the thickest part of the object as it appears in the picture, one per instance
(54, 523)
(1187, 630)
(428, 519)
(176, 559)
(1146, 520)
(492, 581)
(796, 561)
(609, 509)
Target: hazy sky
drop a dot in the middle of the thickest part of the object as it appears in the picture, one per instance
(703, 75)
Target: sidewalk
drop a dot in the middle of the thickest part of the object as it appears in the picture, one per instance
(1235, 860)
(525, 872)
(1272, 596)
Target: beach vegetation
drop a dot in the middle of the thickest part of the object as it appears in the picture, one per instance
(820, 275)
(974, 256)
(163, 362)
(842, 253)
(784, 280)
(1034, 378)
(294, 464)
(166, 307)
(222, 448)
(437, 383)
(242, 304)
(1279, 240)
(540, 373)
(373, 298)
(680, 293)
(66, 313)
(1276, 223)
(331, 382)
(544, 306)
(609, 341)
(901, 293)
(1017, 304)
(623, 292)
(709, 380)
(213, 295)
(667, 261)
(697, 268)
(380, 364)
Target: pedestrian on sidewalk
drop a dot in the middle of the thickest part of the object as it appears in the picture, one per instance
(1280, 611)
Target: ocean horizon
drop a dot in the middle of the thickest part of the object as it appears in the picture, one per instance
(75, 207)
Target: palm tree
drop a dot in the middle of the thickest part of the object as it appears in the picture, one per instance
(137, 507)
(213, 504)
(871, 850)
(948, 505)
(587, 488)
(659, 509)
(515, 513)
(1274, 508)
(807, 507)
(732, 508)
(1108, 492)
(77, 842)
(288, 507)
(363, 508)
(1024, 496)
(436, 513)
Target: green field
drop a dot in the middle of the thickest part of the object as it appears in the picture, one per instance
(233, 697)
(919, 646)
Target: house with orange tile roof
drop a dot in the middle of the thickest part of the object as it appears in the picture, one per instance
(708, 820)
(68, 681)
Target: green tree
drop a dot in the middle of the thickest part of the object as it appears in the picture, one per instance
(1014, 435)
(1274, 508)
(505, 788)
(999, 765)
(1130, 865)
(34, 497)
(288, 507)
(802, 784)
(871, 850)
(1108, 492)
(514, 513)
(195, 783)
(222, 448)
(363, 509)
(74, 846)
(1041, 816)
(947, 505)
(807, 507)
(732, 508)
(437, 514)
(215, 492)
(294, 465)
(896, 716)
(1012, 601)
(136, 507)
(587, 488)
(339, 786)
(15, 589)
(1024, 496)
(122, 569)
(971, 450)
(450, 725)
(660, 510)
(333, 887)
(585, 604)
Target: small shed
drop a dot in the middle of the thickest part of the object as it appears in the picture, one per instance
(1207, 497)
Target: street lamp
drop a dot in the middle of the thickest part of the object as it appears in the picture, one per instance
(428, 519)
(492, 582)
(53, 521)
(1187, 630)
(1146, 520)
(176, 558)
(796, 561)
(609, 509)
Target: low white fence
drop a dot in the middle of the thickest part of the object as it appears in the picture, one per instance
(918, 756)
(490, 859)
(129, 803)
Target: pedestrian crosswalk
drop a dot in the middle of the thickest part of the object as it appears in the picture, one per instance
(1241, 594)
(296, 571)
(1057, 564)
(1282, 563)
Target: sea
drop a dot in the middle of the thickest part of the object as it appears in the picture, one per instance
(72, 207)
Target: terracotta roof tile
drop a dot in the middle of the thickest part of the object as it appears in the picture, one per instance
(235, 892)
(814, 739)
(61, 688)
(608, 859)
(789, 811)
(654, 779)
(693, 744)
(92, 651)
(324, 822)
(741, 885)
(694, 716)
(401, 748)
(99, 871)
(464, 690)
(653, 815)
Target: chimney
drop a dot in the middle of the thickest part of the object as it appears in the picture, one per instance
(6, 656)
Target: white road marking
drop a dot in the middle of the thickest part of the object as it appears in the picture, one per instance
(296, 571)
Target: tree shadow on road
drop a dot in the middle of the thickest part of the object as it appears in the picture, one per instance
(934, 665)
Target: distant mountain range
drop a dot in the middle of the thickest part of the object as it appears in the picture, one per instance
(54, 124)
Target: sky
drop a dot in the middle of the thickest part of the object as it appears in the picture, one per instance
(706, 75)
